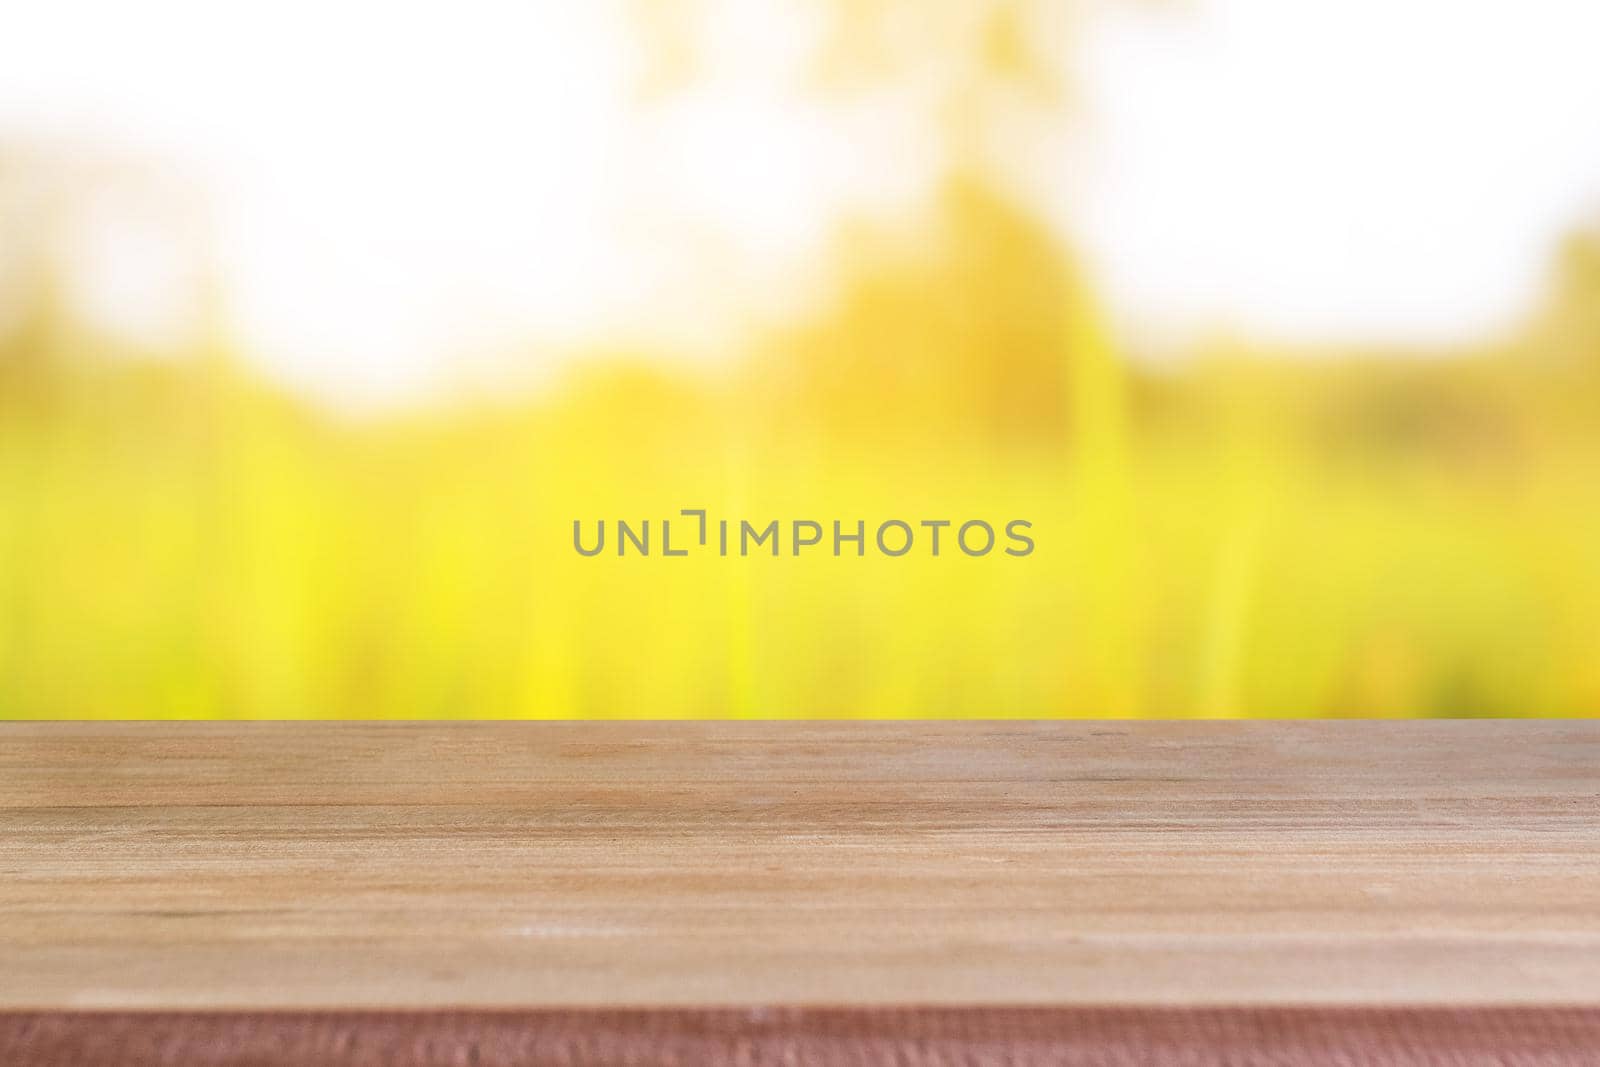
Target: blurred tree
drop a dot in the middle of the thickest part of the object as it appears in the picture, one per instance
(977, 61)
(994, 330)
(966, 61)
(965, 336)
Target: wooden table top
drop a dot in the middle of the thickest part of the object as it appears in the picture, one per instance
(492, 865)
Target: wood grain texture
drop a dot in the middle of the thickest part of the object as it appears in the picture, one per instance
(518, 865)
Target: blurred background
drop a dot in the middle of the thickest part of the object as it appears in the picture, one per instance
(321, 322)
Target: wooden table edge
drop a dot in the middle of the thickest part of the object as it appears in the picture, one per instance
(866, 1036)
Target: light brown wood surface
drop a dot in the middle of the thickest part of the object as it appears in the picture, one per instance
(504, 864)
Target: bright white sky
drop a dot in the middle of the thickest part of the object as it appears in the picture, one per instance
(397, 187)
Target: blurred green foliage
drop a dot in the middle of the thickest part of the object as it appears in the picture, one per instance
(1237, 533)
